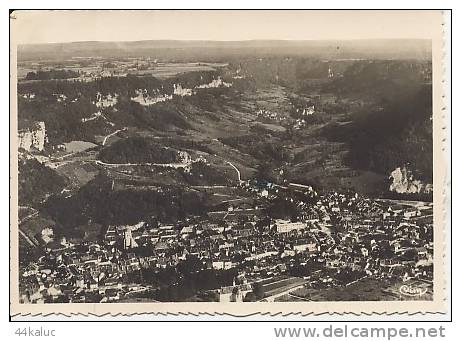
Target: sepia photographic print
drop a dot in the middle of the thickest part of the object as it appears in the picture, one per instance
(227, 162)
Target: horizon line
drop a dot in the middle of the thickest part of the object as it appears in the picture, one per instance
(222, 41)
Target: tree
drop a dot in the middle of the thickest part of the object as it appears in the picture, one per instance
(190, 265)
(258, 290)
(263, 172)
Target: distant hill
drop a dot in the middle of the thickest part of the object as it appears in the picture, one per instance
(384, 79)
(216, 50)
(138, 150)
(397, 133)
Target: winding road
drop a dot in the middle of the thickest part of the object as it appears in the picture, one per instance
(167, 165)
(23, 220)
(236, 169)
(28, 240)
(112, 134)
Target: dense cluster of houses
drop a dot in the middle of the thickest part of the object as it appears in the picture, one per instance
(335, 239)
(270, 115)
(299, 116)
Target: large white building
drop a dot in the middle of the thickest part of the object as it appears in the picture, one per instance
(128, 241)
(284, 226)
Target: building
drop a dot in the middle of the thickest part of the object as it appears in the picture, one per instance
(307, 244)
(284, 226)
(234, 293)
(128, 241)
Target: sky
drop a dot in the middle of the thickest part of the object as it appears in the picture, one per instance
(33, 27)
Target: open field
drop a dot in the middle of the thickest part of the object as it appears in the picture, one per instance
(78, 146)
(166, 70)
(79, 173)
(363, 290)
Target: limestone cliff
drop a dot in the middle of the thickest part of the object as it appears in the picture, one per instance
(403, 181)
(33, 137)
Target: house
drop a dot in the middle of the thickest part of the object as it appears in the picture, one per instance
(112, 295)
(222, 264)
(396, 209)
(79, 282)
(54, 291)
(333, 263)
(411, 213)
(285, 226)
(186, 230)
(264, 193)
(161, 246)
(422, 252)
(307, 244)
(234, 293)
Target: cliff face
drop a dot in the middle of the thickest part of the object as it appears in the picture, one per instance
(215, 83)
(403, 181)
(184, 157)
(33, 137)
(180, 91)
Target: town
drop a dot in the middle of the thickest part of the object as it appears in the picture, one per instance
(241, 253)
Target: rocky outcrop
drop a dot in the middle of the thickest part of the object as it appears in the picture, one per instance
(33, 137)
(403, 181)
(143, 97)
(147, 98)
(106, 101)
(180, 91)
(184, 157)
(215, 83)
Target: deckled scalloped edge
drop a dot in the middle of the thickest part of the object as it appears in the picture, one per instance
(198, 314)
